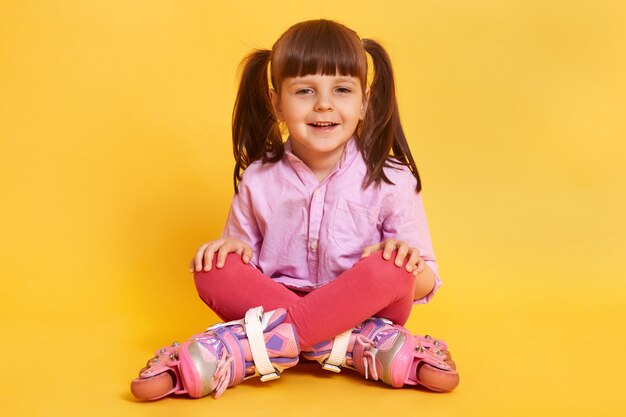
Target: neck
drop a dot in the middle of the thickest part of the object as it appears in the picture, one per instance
(321, 164)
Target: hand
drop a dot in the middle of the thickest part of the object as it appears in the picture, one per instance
(223, 247)
(415, 263)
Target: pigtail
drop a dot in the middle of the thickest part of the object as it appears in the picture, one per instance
(381, 131)
(256, 134)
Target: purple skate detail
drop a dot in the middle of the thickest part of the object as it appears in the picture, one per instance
(320, 345)
(217, 358)
(383, 351)
(275, 343)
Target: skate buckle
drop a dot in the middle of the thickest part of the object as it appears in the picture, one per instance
(330, 367)
(269, 377)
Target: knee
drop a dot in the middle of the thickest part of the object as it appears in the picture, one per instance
(232, 260)
(382, 263)
(388, 269)
(203, 279)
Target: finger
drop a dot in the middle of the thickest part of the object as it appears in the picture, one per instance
(247, 254)
(208, 258)
(389, 246)
(199, 255)
(238, 249)
(222, 253)
(403, 249)
(413, 260)
(209, 253)
(421, 266)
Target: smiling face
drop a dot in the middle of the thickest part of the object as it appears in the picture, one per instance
(321, 113)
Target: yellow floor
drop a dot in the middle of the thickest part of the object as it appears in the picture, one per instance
(513, 359)
(116, 164)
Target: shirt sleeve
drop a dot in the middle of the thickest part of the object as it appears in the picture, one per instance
(405, 219)
(241, 222)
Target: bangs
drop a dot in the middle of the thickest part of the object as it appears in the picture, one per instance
(318, 46)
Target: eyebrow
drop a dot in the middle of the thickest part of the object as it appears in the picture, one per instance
(306, 79)
(348, 79)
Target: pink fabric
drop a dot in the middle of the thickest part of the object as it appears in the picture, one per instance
(305, 233)
(374, 287)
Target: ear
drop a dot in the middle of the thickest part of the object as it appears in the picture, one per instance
(276, 104)
(366, 101)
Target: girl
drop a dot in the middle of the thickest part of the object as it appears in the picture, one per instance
(326, 230)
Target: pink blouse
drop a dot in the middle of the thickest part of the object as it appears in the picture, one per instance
(304, 233)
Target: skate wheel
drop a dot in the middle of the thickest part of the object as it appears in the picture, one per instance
(154, 387)
(437, 379)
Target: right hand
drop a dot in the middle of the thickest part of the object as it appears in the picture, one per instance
(205, 253)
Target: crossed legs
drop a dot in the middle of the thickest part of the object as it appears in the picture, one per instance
(218, 358)
(373, 287)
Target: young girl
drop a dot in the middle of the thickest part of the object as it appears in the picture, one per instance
(326, 230)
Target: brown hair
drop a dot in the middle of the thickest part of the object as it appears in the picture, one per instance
(326, 47)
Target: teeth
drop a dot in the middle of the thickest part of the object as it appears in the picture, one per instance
(323, 124)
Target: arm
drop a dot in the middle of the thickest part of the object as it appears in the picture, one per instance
(241, 235)
(405, 229)
(241, 222)
(424, 283)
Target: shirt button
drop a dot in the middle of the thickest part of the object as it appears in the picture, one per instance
(313, 245)
(316, 193)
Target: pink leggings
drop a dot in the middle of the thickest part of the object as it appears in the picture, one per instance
(373, 287)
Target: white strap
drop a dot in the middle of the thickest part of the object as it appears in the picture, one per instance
(242, 322)
(338, 353)
(254, 323)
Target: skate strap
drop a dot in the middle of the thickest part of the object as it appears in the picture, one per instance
(337, 357)
(270, 320)
(254, 323)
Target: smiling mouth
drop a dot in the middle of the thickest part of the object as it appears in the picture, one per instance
(322, 124)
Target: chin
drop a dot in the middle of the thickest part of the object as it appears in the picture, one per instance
(328, 148)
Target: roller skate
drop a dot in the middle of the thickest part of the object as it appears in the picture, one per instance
(383, 351)
(220, 357)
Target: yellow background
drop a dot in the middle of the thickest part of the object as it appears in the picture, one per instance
(115, 164)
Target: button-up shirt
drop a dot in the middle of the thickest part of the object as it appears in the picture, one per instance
(304, 233)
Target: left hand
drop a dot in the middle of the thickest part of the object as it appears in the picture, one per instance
(415, 264)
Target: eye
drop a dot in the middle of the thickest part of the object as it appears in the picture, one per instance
(343, 90)
(304, 91)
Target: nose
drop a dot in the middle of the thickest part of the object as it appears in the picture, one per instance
(323, 103)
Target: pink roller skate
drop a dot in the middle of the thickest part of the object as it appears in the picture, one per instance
(222, 356)
(388, 352)
(429, 342)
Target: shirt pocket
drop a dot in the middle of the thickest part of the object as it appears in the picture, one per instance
(355, 226)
